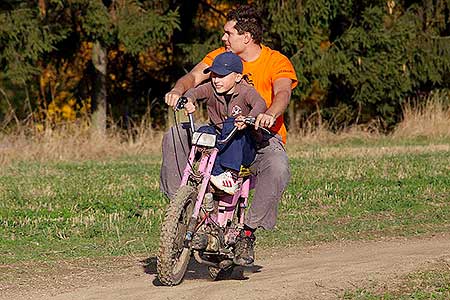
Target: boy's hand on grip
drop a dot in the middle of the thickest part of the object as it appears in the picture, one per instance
(239, 122)
(189, 107)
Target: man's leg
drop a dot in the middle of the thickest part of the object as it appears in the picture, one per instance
(175, 151)
(271, 167)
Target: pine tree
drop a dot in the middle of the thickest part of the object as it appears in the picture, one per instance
(35, 36)
(357, 61)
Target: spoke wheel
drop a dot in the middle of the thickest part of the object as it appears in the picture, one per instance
(173, 256)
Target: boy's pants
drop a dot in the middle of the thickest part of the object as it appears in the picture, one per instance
(240, 150)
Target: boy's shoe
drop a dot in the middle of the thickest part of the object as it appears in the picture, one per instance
(226, 181)
(244, 254)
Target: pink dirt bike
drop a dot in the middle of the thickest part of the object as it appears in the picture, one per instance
(198, 220)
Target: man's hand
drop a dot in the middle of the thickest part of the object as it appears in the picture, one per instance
(172, 97)
(264, 120)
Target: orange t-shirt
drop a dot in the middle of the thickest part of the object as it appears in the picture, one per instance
(261, 73)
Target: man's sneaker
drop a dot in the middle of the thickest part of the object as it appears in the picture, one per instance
(226, 181)
(244, 255)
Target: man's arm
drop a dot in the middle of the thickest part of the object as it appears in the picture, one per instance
(282, 94)
(190, 80)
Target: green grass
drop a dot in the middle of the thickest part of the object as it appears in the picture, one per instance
(54, 210)
(59, 210)
(423, 285)
(365, 198)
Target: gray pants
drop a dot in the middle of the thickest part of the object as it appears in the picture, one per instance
(270, 167)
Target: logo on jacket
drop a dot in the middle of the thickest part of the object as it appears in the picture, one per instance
(236, 111)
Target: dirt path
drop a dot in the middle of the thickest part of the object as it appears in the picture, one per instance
(321, 272)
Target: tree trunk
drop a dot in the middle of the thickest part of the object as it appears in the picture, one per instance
(292, 125)
(100, 61)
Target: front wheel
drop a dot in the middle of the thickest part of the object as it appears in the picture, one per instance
(173, 256)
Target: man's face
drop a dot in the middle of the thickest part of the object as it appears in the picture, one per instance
(225, 84)
(233, 41)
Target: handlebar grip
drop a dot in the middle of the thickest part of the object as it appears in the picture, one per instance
(250, 120)
(181, 102)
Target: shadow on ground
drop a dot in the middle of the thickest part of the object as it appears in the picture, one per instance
(199, 271)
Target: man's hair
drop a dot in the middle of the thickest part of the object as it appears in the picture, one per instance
(248, 19)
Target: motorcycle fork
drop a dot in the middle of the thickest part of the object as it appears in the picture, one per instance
(204, 168)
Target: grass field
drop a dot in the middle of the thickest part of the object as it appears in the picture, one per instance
(52, 209)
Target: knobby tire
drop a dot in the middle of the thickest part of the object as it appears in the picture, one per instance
(173, 257)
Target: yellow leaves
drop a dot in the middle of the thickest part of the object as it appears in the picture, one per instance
(390, 4)
(66, 109)
(39, 127)
(61, 109)
(324, 45)
(58, 82)
(151, 60)
(85, 106)
(112, 54)
(211, 18)
(68, 112)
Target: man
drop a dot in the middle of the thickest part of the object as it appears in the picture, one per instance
(273, 76)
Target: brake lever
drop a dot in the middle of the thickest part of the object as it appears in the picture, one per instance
(252, 120)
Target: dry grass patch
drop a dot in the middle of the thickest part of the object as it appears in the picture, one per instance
(353, 151)
(430, 119)
(74, 143)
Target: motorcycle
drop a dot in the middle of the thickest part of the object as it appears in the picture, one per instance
(200, 221)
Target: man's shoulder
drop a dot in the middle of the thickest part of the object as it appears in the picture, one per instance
(279, 64)
(208, 59)
(273, 54)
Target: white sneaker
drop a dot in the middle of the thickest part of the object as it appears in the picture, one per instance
(226, 181)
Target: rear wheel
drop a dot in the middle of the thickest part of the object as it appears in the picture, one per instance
(173, 256)
(217, 274)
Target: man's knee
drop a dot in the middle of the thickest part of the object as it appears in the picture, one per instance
(277, 166)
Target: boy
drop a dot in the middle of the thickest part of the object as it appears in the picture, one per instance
(228, 99)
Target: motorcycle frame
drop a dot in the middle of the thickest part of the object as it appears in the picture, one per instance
(227, 205)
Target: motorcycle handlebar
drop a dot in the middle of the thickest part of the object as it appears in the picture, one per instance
(181, 102)
(247, 120)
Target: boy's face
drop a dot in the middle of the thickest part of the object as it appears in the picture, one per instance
(225, 84)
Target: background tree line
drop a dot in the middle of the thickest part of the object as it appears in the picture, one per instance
(357, 61)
